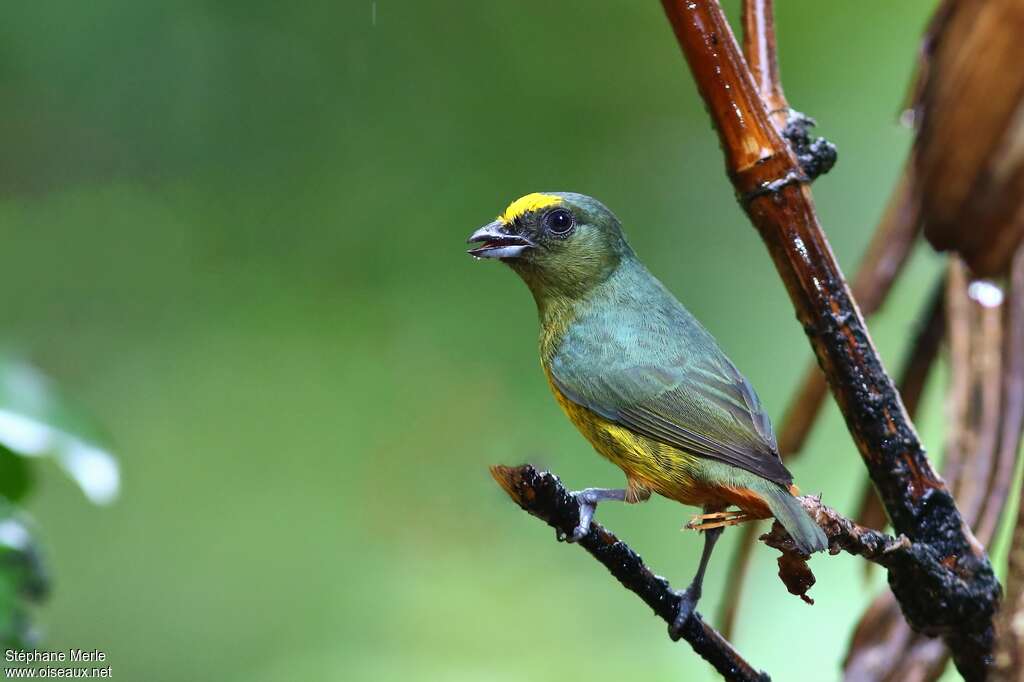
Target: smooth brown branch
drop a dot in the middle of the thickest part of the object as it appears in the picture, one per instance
(1012, 423)
(957, 597)
(542, 494)
(816, 155)
(885, 649)
(762, 58)
(736, 578)
(972, 441)
(972, 190)
(1010, 651)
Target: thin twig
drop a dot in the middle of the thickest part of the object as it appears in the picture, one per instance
(542, 494)
(850, 537)
(974, 408)
(1010, 651)
(1012, 423)
(736, 578)
(773, 190)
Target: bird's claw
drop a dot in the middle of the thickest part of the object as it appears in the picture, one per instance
(587, 506)
(687, 604)
(577, 534)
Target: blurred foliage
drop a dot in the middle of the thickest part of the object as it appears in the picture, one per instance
(23, 578)
(233, 231)
(35, 421)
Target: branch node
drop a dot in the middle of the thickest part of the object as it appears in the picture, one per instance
(774, 186)
(817, 156)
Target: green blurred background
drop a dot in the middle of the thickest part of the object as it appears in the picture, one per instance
(234, 232)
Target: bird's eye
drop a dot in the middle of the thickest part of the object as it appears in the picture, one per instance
(559, 222)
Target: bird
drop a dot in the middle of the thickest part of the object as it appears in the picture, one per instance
(639, 376)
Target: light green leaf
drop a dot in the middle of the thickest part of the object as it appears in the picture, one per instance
(36, 421)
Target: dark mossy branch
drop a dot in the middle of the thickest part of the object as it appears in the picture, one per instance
(542, 494)
(956, 593)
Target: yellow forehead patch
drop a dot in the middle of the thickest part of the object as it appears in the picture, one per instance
(531, 202)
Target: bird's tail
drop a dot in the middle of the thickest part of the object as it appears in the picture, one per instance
(807, 535)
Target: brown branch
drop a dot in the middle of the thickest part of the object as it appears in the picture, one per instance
(1010, 652)
(773, 189)
(847, 536)
(884, 259)
(974, 414)
(1012, 423)
(762, 58)
(542, 494)
(972, 191)
(736, 578)
(924, 350)
(976, 466)
(890, 247)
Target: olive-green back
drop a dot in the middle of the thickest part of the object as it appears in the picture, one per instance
(630, 352)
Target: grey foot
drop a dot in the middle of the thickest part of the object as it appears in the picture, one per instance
(687, 604)
(588, 505)
(588, 499)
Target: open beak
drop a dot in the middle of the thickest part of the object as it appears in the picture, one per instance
(495, 242)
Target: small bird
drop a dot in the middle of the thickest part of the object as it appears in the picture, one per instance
(641, 378)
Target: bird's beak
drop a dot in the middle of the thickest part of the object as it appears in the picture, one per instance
(496, 242)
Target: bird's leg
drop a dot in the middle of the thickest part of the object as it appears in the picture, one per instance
(691, 594)
(588, 499)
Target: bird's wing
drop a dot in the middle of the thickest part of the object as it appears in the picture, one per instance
(663, 376)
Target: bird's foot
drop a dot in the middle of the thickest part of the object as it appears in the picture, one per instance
(688, 599)
(587, 499)
(717, 520)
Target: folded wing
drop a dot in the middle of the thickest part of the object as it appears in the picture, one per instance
(663, 376)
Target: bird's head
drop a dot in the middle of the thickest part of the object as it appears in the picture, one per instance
(560, 243)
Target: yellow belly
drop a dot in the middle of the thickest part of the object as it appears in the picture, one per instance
(653, 466)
